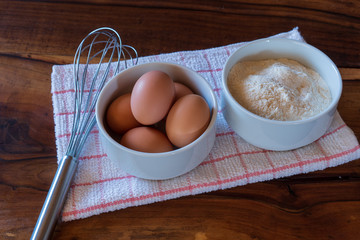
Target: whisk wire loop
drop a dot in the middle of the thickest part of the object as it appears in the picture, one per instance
(84, 120)
(88, 122)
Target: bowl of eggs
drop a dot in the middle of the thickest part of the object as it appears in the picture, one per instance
(280, 94)
(157, 120)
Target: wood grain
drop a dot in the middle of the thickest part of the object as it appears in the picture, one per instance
(35, 35)
(350, 74)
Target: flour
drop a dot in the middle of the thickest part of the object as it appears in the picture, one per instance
(279, 89)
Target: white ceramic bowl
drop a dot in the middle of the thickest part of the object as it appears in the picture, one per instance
(273, 134)
(165, 165)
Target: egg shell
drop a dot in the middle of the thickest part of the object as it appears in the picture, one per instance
(146, 139)
(152, 97)
(181, 90)
(187, 119)
(119, 116)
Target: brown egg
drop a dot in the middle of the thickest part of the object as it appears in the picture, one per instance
(146, 139)
(181, 90)
(187, 119)
(119, 116)
(152, 97)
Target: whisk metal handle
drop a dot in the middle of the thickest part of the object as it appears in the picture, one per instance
(55, 199)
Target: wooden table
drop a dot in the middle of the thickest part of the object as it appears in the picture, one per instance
(34, 35)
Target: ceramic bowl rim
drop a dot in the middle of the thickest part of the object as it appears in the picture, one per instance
(211, 124)
(311, 48)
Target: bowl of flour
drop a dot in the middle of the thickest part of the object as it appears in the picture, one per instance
(280, 94)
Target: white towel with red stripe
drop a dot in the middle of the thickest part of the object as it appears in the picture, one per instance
(100, 187)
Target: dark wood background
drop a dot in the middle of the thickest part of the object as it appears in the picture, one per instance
(34, 35)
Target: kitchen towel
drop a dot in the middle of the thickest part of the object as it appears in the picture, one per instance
(100, 187)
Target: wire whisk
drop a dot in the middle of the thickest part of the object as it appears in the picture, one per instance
(98, 56)
(111, 48)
